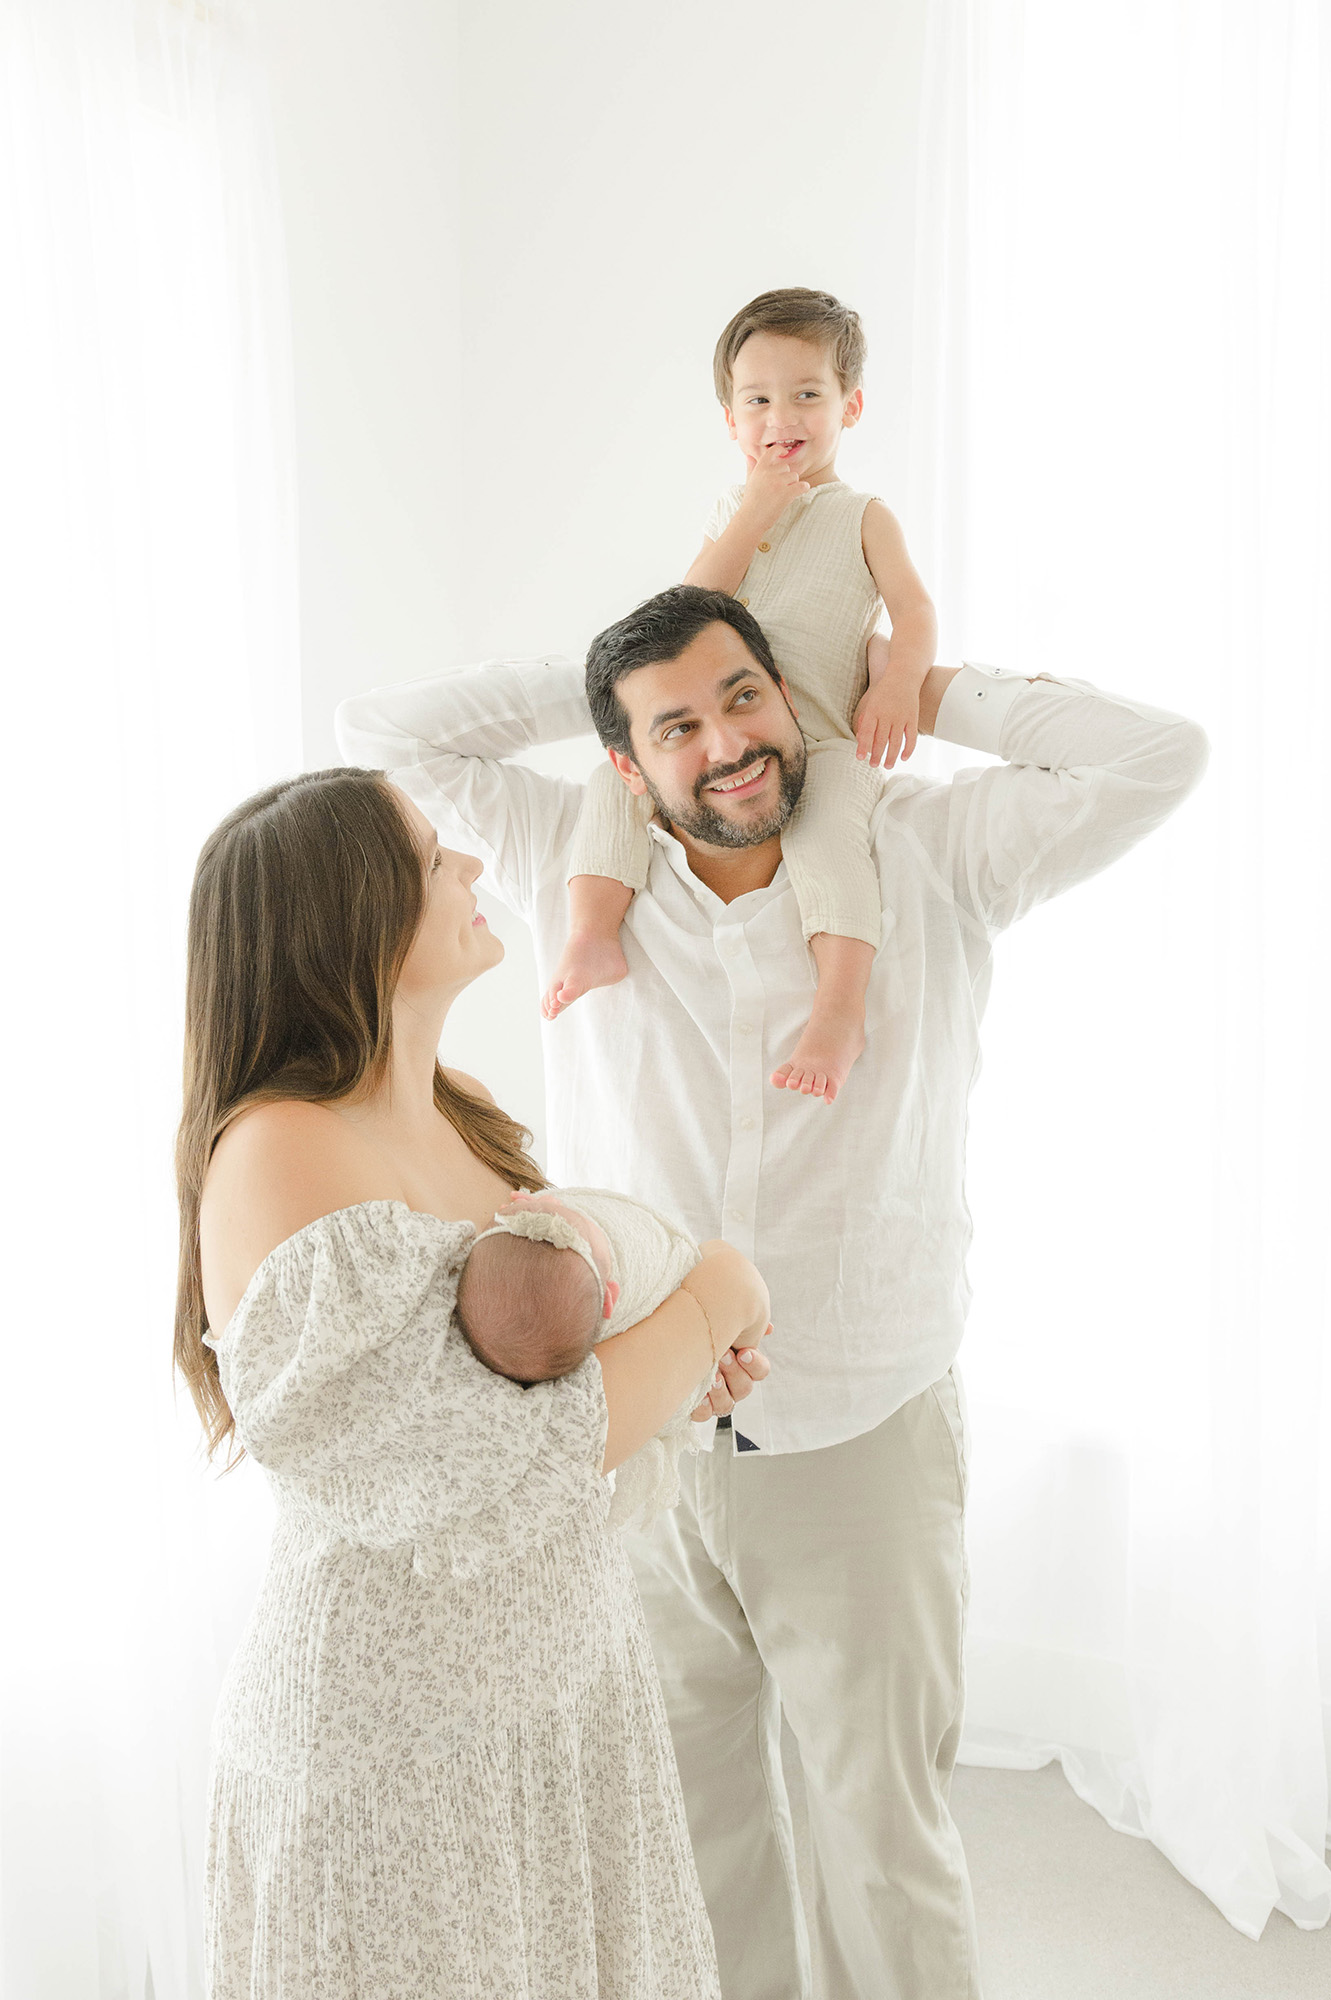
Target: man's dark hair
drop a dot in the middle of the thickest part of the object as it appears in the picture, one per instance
(660, 629)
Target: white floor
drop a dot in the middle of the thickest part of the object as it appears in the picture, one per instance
(1068, 1910)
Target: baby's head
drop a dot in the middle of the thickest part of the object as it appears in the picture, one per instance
(532, 1305)
(788, 372)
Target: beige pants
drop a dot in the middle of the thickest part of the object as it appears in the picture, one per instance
(831, 1585)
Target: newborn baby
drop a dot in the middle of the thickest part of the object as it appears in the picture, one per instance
(553, 1277)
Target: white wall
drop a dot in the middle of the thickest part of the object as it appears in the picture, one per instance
(630, 178)
(514, 235)
(365, 106)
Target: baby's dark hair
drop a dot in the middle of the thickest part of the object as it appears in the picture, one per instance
(528, 1310)
(800, 315)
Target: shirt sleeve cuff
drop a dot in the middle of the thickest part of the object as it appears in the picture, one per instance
(975, 705)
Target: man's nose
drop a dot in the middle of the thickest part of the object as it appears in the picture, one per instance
(725, 742)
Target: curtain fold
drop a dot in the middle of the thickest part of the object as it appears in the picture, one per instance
(1123, 447)
(148, 625)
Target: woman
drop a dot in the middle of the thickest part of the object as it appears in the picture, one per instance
(441, 1760)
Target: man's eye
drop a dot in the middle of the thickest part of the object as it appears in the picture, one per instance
(674, 730)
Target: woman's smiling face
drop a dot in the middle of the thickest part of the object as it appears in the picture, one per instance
(453, 943)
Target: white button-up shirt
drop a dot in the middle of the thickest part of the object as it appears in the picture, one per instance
(854, 1212)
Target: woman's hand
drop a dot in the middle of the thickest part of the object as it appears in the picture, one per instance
(735, 1379)
(727, 1285)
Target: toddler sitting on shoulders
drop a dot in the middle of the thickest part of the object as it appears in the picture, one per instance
(817, 564)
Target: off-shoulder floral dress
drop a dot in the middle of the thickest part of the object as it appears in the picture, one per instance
(441, 1761)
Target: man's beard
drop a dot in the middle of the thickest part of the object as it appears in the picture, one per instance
(702, 822)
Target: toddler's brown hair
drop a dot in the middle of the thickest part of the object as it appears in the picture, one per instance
(799, 315)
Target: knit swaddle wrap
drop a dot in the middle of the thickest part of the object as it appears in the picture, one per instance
(651, 1257)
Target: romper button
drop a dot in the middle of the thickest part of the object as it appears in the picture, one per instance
(744, 601)
(763, 548)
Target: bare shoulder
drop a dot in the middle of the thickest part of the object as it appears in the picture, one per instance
(274, 1171)
(889, 563)
(878, 524)
(471, 1084)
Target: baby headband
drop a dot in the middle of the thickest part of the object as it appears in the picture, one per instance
(542, 1227)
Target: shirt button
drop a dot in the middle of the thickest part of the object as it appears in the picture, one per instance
(746, 1124)
(744, 1027)
(738, 1215)
(764, 548)
(745, 602)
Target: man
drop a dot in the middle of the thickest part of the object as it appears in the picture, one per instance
(815, 1564)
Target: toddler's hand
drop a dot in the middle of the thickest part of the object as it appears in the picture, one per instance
(887, 721)
(771, 486)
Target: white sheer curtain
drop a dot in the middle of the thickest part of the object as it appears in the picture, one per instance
(147, 625)
(1123, 450)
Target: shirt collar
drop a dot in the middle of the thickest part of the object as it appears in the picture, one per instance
(707, 899)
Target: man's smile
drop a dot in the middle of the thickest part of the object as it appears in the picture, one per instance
(743, 782)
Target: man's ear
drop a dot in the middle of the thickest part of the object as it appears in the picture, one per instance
(789, 697)
(629, 772)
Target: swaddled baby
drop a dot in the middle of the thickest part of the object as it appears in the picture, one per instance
(555, 1275)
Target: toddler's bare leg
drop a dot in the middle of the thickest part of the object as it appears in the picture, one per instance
(597, 906)
(834, 1039)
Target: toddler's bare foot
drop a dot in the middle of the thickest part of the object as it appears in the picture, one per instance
(825, 1054)
(587, 962)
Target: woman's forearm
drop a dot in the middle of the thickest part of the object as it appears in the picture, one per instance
(650, 1370)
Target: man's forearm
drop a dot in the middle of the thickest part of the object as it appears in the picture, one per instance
(935, 686)
(494, 710)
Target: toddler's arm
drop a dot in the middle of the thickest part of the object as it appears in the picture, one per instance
(887, 719)
(771, 486)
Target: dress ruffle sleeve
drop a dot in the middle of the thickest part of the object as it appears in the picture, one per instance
(352, 1386)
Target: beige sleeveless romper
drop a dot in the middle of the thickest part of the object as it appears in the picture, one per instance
(810, 589)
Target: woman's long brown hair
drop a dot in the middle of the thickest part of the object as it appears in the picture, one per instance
(305, 903)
